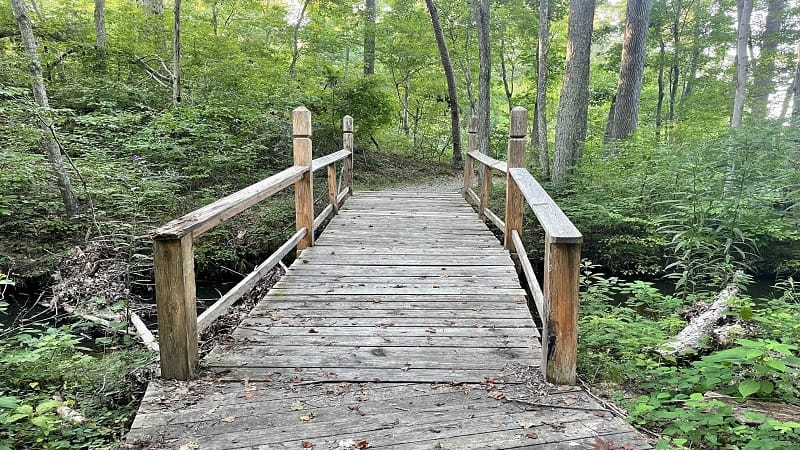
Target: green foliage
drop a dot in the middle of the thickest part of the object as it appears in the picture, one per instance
(36, 363)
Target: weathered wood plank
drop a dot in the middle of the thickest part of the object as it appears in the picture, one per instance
(422, 330)
(554, 222)
(410, 260)
(432, 340)
(385, 323)
(322, 216)
(209, 216)
(530, 276)
(395, 290)
(324, 161)
(487, 160)
(495, 220)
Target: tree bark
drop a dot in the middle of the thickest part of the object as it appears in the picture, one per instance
(745, 10)
(176, 56)
(764, 71)
(101, 38)
(480, 9)
(574, 103)
(674, 73)
(796, 91)
(662, 58)
(296, 37)
(369, 38)
(153, 7)
(631, 72)
(694, 59)
(40, 96)
(541, 88)
(508, 81)
(444, 54)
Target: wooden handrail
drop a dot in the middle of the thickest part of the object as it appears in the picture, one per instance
(557, 303)
(173, 252)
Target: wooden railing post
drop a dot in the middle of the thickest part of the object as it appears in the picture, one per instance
(303, 188)
(516, 158)
(560, 333)
(486, 190)
(347, 144)
(173, 262)
(472, 145)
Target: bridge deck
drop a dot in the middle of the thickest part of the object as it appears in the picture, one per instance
(404, 327)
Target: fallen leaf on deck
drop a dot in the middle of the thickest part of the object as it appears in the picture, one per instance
(307, 444)
(431, 330)
(307, 417)
(189, 446)
(229, 419)
(297, 406)
(497, 395)
(296, 379)
(532, 435)
(602, 444)
(570, 400)
(497, 425)
(313, 331)
(363, 444)
(526, 425)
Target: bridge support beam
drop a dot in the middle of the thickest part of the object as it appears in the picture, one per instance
(303, 188)
(561, 293)
(347, 144)
(516, 158)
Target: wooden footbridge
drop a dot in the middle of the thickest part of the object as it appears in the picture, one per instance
(402, 325)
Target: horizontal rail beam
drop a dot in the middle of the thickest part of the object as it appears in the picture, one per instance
(207, 217)
(530, 276)
(322, 216)
(489, 161)
(498, 222)
(557, 226)
(324, 161)
(342, 195)
(221, 306)
(471, 195)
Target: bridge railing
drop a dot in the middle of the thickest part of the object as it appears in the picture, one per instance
(173, 254)
(557, 302)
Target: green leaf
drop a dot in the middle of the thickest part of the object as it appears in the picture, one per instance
(749, 387)
(777, 364)
(9, 402)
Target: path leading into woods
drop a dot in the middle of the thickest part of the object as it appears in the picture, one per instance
(405, 326)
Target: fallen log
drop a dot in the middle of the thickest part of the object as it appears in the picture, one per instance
(778, 411)
(687, 341)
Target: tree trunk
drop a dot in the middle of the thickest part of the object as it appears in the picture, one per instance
(480, 9)
(176, 54)
(40, 96)
(541, 88)
(296, 37)
(100, 25)
(215, 17)
(662, 58)
(37, 11)
(764, 71)
(574, 103)
(674, 73)
(796, 91)
(369, 38)
(153, 7)
(694, 59)
(452, 92)
(745, 10)
(629, 89)
(508, 82)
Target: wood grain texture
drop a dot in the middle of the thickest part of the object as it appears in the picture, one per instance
(401, 334)
(489, 161)
(516, 158)
(173, 263)
(560, 343)
(328, 160)
(554, 222)
(303, 188)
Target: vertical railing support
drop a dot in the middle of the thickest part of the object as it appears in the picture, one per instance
(472, 145)
(332, 190)
(303, 188)
(173, 263)
(516, 158)
(486, 190)
(347, 144)
(560, 333)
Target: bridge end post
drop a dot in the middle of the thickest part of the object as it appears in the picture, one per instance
(516, 158)
(561, 292)
(347, 144)
(472, 145)
(303, 188)
(173, 263)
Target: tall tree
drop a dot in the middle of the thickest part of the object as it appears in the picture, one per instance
(153, 7)
(744, 12)
(540, 118)
(452, 92)
(49, 143)
(631, 71)
(369, 38)
(574, 102)
(480, 9)
(296, 36)
(100, 25)
(674, 72)
(176, 56)
(796, 90)
(764, 70)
